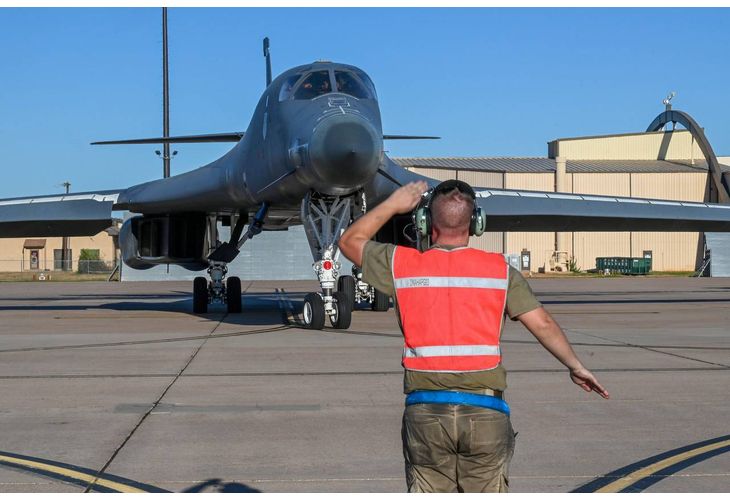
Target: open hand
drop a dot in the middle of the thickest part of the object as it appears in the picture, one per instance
(588, 382)
(405, 198)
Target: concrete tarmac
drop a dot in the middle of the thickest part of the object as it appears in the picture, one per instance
(117, 387)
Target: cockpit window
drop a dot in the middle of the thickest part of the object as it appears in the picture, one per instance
(348, 83)
(313, 85)
(288, 86)
(368, 82)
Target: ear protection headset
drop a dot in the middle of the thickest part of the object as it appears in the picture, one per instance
(422, 216)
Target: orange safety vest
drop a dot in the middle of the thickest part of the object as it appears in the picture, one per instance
(451, 305)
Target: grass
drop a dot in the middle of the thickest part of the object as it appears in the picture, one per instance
(657, 274)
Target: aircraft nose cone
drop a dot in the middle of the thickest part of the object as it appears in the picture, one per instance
(345, 151)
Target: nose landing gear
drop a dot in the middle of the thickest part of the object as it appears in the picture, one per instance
(324, 219)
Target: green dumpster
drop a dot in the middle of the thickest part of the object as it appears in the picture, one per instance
(623, 265)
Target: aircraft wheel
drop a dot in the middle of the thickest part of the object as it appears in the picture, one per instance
(313, 312)
(381, 302)
(342, 317)
(200, 295)
(346, 285)
(233, 294)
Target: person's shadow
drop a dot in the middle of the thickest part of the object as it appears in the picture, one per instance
(218, 486)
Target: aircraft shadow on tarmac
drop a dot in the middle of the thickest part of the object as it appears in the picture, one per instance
(278, 307)
(218, 486)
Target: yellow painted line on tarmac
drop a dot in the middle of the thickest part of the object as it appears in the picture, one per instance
(69, 473)
(641, 475)
(649, 470)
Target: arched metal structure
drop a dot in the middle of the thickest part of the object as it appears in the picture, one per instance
(720, 181)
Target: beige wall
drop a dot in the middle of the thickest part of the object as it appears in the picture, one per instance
(675, 251)
(587, 246)
(14, 259)
(490, 241)
(677, 145)
(540, 245)
(678, 251)
(671, 251)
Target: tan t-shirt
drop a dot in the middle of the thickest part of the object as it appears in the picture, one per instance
(377, 270)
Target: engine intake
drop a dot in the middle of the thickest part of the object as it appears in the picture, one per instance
(150, 240)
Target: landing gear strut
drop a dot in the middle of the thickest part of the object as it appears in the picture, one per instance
(226, 292)
(324, 219)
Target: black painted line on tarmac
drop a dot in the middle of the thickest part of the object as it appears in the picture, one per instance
(642, 483)
(301, 374)
(588, 344)
(154, 341)
(650, 349)
(155, 404)
(348, 332)
(38, 469)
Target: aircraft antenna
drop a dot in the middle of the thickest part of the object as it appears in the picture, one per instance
(267, 55)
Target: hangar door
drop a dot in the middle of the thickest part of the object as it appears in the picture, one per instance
(719, 246)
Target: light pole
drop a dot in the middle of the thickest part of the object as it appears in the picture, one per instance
(165, 99)
(65, 258)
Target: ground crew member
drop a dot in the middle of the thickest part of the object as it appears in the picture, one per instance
(451, 301)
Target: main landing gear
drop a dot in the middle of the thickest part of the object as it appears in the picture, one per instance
(357, 291)
(228, 292)
(324, 219)
(217, 290)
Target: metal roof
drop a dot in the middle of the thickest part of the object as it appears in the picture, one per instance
(482, 164)
(547, 165)
(638, 166)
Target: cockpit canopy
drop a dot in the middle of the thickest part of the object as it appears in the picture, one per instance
(305, 86)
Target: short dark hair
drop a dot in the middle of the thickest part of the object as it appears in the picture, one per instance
(451, 211)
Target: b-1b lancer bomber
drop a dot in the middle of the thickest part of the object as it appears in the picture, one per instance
(313, 155)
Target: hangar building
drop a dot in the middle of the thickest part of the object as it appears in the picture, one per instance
(96, 253)
(658, 165)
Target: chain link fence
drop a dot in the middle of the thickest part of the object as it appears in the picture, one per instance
(79, 266)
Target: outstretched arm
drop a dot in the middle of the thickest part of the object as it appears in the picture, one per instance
(552, 338)
(404, 199)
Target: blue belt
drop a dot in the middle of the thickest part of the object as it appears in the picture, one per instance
(457, 398)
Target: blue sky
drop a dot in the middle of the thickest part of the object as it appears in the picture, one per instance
(491, 82)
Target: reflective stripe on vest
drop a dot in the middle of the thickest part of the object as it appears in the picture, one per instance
(451, 281)
(451, 305)
(451, 350)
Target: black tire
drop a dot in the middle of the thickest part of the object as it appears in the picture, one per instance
(313, 312)
(233, 294)
(381, 303)
(343, 316)
(346, 285)
(200, 295)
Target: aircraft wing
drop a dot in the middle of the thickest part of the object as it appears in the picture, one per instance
(509, 210)
(77, 214)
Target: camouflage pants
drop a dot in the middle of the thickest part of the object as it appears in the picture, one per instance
(456, 448)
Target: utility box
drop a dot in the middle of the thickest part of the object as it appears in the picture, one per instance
(525, 260)
(648, 255)
(513, 259)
